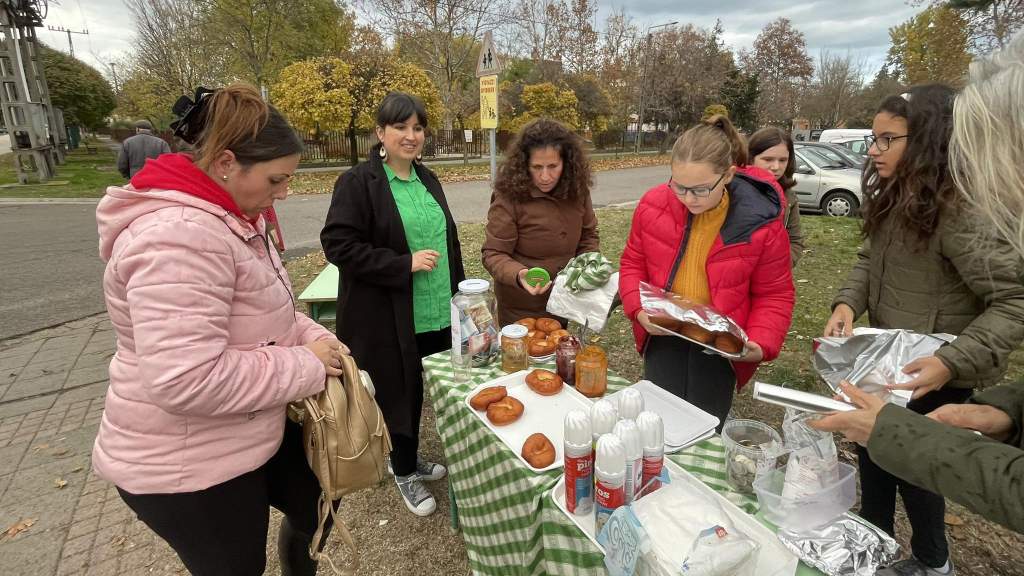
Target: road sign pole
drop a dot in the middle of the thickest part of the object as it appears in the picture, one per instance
(494, 161)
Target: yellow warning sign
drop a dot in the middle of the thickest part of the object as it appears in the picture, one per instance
(489, 102)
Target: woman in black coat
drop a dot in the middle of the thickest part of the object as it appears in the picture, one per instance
(384, 215)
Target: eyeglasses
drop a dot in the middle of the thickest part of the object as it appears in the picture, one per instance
(883, 142)
(697, 191)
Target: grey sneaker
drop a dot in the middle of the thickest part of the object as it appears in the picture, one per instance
(428, 471)
(914, 567)
(417, 499)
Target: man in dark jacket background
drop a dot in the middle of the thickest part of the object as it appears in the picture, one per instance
(136, 149)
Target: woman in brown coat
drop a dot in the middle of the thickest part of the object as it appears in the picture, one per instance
(541, 216)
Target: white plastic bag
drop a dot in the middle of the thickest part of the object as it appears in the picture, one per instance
(588, 307)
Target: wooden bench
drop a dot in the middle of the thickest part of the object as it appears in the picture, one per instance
(321, 296)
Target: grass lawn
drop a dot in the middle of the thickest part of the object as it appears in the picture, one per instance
(82, 176)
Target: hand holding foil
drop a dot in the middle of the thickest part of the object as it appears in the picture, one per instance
(877, 361)
(858, 424)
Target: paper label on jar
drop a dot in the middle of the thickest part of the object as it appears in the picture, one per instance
(606, 500)
(579, 482)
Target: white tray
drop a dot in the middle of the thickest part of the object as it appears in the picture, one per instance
(685, 424)
(544, 414)
(774, 559)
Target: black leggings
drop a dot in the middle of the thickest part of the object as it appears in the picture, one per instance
(925, 510)
(222, 530)
(705, 380)
(404, 448)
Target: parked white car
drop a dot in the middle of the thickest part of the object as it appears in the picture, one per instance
(836, 134)
(826, 185)
(858, 146)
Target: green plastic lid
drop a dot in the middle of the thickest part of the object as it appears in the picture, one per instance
(537, 277)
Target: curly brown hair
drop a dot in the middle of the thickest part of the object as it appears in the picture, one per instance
(513, 179)
(922, 188)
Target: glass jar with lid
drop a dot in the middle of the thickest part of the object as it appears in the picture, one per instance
(592, 371)
(513, 348)
(565, 358)
(474, 327)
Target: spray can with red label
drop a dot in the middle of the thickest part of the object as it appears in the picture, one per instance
(652, 437)
(579, 463)
(610, 473)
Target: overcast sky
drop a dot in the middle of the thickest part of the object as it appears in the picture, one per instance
(860, 27)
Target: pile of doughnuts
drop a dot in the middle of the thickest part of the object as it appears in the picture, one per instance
(722, 341)
(538, 451)
(544, 382)
(501, 408)
(543, 336)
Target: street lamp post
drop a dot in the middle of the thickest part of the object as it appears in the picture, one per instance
(643, 83)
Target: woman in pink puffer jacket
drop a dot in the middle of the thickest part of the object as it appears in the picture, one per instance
(210, 349)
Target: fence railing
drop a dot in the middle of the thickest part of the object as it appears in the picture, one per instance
(334, 147)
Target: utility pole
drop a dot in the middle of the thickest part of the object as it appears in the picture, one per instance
(643, 83)
(71, 45)
(113, 72)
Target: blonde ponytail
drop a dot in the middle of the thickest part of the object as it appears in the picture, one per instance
(714, 141)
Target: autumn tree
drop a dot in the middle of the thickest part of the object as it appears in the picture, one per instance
(580, 53)
(990, 23)
(547, 101)
(537, 27)
(831, 99)
(782, 66)
(594, 106)
(884, 84)
(930, 47)
(77, 88)
(620, 55)
(441, 33)
(315, 94)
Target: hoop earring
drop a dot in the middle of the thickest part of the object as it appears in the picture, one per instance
(419, 157)
(383, 153)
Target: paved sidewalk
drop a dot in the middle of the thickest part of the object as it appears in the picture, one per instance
(52, 384)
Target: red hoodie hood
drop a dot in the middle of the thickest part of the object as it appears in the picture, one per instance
(178, 172)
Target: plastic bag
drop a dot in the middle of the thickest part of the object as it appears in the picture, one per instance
(719, 551)
(588, 308)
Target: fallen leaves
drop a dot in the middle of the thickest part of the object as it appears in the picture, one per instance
(60, 483)
(954, 520)
(17, 528)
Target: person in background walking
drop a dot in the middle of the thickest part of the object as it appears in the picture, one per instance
(540, 216)
(925, 266)
(135, 149)
(390, 233)
(771, 149)
(715, 236)
(210, 348)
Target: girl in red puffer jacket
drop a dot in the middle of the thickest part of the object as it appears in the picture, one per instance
(714, 234)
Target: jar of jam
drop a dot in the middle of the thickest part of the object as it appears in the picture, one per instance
(513, 348)
(565, 358)
(592, 371)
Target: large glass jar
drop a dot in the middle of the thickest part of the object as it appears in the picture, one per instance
(474, 327)
(565, 358)
(513, 348)
(592, 371)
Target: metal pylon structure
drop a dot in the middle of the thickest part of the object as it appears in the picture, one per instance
(35, 127)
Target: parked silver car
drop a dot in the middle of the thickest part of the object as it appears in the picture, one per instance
(826, 185)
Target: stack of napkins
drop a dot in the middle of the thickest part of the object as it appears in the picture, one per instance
(685, 424)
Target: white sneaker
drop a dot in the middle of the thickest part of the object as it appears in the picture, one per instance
(429, 471)
(914, 567)
(417, 499)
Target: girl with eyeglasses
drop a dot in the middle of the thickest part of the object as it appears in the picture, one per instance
(926, 266)
(714, 233)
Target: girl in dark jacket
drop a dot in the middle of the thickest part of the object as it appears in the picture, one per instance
(391, 235)
(714, 235)
(771, 149)
(925, 267)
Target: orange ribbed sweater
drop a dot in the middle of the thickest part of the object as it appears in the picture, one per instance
(691, 280)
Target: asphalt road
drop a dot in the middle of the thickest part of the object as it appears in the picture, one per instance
(50, 272)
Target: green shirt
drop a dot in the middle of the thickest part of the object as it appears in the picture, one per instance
(425, 229)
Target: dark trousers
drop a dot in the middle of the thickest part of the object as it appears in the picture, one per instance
(705, 380)
(925, 510)
(222, 530)
(404, 448)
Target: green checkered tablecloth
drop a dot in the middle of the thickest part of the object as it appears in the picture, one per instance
(505, 512)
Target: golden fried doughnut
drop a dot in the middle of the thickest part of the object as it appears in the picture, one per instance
(548, 324)
(487, 396)
(539, 451)
(530, 323)
(504, 411)
(544, 382)
(542, 347)
(728, 343)
(695, 332)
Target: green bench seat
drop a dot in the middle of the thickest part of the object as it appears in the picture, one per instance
(321, 296)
